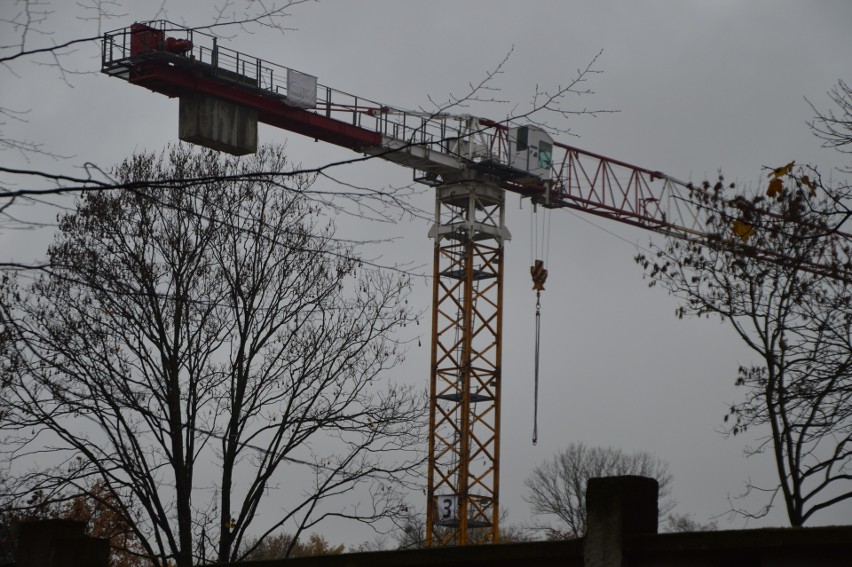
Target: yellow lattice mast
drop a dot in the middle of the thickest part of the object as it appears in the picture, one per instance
(464, 428)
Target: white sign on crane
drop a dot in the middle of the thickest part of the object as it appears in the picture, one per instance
(301, 89)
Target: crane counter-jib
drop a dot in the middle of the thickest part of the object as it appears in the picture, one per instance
(174, 60)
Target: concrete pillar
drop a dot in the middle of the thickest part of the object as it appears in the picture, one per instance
(617, 507)
(59, 543)
(36, 539)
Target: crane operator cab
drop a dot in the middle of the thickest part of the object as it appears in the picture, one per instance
(531, 150)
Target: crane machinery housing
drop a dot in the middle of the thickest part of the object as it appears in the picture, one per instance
(471, 162)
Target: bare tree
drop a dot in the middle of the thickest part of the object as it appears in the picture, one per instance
(793, 313)
(207, 324)
(557, 487)
(834, 126)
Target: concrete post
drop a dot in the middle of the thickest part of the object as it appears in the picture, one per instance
(616, 507)
(81, 552)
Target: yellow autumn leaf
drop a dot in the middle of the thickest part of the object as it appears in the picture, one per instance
(743, 229)
(781, 171)
(775, 187)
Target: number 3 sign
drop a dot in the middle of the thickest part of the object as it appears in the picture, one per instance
(447, 507)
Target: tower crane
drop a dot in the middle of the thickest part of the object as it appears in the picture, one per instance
(472, 163)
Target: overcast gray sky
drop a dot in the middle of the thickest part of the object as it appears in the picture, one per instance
(699, 86)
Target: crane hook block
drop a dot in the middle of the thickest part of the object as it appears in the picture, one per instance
(539, 275)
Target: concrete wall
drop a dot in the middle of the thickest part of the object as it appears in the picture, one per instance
(59, 543)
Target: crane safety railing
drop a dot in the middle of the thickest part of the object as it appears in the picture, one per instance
(440, 132)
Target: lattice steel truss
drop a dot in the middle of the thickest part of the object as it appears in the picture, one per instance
(464, 440)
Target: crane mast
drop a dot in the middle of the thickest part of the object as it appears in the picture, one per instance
(465, 379)
(472, 163)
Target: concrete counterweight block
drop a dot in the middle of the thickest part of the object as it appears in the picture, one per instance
(218, 124)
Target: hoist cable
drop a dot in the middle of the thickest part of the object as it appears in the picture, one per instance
(533, 233)
(537, 345)
(532, 237)
(548, 223)
(541, 239)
